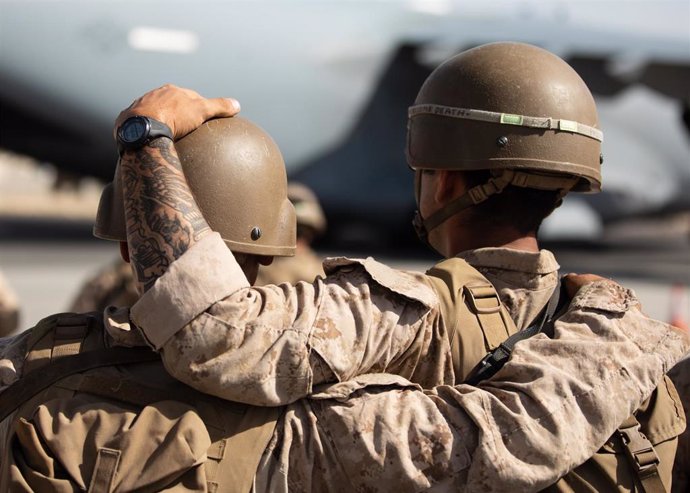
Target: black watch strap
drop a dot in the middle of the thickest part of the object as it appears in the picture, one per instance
(137, 131)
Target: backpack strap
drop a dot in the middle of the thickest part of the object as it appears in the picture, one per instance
(41, 378)
(641, 455)
(496, 359)
(485, 305)
(476, 320)
(104, 471)
(59, 335)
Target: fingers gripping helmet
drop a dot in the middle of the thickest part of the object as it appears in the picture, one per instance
(511, 108)
(237, 176)
(307, 207)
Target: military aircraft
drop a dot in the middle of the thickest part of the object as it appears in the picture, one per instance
(331, 81)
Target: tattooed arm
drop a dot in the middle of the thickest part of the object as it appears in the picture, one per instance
(163, 220)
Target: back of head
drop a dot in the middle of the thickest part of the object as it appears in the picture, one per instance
(507, 106)
(237, 176)
(510, 116)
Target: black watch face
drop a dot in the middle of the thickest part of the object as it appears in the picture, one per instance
(133, 130)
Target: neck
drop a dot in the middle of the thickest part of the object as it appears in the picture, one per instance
(526, 243)
(504, 238)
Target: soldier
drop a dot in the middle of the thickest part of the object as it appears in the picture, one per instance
(84, 408)
(498, 135)
(311, 223)
(680, 376)
(9, 309)
(114, 285)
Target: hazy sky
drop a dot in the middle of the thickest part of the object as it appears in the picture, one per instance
(655, 17)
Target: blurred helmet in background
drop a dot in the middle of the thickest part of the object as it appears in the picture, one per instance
(310, 215)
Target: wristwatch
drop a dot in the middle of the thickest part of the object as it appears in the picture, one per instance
(137, 131)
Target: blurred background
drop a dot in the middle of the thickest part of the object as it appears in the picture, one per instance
(331, 82)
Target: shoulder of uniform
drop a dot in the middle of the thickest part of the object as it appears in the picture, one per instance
(412, 285)
(46, 325)
(66, 322)
(605, 295)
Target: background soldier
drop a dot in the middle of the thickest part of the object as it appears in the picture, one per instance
(311, 223)
(9, 309)
(114, 285)
(680, 375)
(498, 135)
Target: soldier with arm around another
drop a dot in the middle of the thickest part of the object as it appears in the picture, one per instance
(545, 412)
(85, 405)
(497, 136)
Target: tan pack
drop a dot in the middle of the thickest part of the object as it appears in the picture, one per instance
(637, 458)
(125, 426)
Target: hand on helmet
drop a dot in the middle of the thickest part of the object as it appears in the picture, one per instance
(573, 282)
(183, 110)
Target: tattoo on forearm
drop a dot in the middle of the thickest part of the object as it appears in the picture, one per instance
(163, 219)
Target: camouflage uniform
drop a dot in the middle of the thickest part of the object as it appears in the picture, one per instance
(680, 375)
(112, 286)
(9, 309)
(363, 317)
(380, 430)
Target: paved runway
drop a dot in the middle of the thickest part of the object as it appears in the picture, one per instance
(47, 275)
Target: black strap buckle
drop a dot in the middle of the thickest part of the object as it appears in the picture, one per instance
(489, 365)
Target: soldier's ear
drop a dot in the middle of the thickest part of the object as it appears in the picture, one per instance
(448, 186)
(124, 251)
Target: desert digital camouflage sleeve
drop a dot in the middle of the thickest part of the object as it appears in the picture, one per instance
(269, 345)
(550, 408)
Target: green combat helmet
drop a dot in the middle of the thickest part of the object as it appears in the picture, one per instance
(237, 176)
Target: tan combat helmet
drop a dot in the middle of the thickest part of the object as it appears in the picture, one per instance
(307, 207)
(237, 176)
(511, 108)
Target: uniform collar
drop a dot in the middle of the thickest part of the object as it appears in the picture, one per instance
(542, 262)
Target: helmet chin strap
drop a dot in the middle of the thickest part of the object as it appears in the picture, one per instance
(480, 193)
